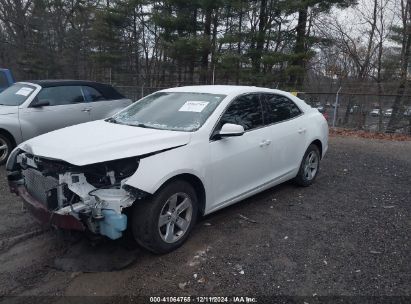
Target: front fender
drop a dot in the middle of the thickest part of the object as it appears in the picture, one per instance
(155, 170)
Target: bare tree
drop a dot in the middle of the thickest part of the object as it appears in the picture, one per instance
(398, 106)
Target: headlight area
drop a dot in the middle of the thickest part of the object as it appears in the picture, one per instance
(94, 195)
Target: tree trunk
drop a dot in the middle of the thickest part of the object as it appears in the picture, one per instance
(262, 24)
(214, 45)
(207, 46)
(240, 26)
(297, 77)
(398, 106)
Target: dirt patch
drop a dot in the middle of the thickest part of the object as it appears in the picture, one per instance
(85, 256)
(348, 234)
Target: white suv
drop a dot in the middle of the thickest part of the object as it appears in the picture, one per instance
(165, 160)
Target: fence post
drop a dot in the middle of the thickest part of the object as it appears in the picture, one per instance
(336, 106)
(213, 73)
(142, 90)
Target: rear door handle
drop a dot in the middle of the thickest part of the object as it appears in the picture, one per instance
(86, 110)
(265, 142)
(301, 130)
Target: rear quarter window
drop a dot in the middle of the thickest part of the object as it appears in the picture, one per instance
(92, 94)
(108, 91)
(279, 108)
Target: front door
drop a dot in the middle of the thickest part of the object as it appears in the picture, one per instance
(240, 164)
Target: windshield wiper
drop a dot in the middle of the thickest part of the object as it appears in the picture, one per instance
(113, 120)
(141, 125)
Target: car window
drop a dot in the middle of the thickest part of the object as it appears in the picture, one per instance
(278, 108)
(245, 111)
(16, 94)
(62, 95)
(91, 94)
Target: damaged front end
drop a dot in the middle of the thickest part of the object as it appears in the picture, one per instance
(91, 197)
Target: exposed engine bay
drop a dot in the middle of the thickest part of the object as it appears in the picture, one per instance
(95, 195)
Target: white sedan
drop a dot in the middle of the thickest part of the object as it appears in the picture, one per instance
(162, 162)
(375, 112)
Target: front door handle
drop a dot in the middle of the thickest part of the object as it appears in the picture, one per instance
(301, 130)
(86, 110)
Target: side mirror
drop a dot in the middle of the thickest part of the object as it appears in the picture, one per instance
(229, 130)
(40, 104)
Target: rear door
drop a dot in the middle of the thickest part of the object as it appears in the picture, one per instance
(286, 124)
(99, 106)
(66, 107)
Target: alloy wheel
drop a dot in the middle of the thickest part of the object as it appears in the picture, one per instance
(175, 217)
(4, 150)
(311, 165)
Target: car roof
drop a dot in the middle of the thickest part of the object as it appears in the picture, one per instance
(222, 89)
(234, 90)
(107, 90)
(63, 82)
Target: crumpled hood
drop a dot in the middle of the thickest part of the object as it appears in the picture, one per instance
(100, 141)
(4, 110)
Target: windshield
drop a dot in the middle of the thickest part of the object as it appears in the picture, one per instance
(176, 111)
(16, 94)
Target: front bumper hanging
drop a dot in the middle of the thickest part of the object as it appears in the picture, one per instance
(42, 214)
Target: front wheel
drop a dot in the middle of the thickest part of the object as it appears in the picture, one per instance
(5, 149)
(163, 223)
(309, 167)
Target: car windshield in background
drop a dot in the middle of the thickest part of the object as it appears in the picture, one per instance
(176, 111)
(16, 94)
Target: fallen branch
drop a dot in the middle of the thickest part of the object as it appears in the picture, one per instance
(247, 219)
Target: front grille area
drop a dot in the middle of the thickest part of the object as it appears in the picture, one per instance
(42, 188)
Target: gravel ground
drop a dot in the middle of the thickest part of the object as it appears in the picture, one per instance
(347, 235)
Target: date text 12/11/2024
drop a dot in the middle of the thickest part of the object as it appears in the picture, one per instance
(203, 299)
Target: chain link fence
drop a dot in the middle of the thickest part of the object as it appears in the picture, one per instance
(360, 111)
(136, 92)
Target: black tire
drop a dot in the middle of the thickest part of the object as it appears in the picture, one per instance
(302, 179)
(4, 154)
(146, 217)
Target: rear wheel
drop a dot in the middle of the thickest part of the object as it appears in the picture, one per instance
(5, 149)
(309, 167)
(163, 223)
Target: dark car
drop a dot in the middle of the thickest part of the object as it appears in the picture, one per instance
(6, 79)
